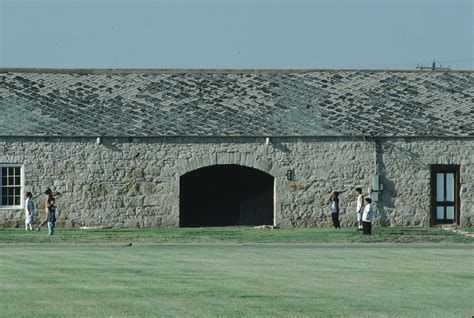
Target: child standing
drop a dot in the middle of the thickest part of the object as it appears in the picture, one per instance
(51, 216)
(29, 212)
(367, 217)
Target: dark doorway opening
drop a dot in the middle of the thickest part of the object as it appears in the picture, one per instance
(226, 195)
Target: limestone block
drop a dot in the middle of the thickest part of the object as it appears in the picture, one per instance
(153, 200)
(137, 173)
(135, 201)
(223, 158)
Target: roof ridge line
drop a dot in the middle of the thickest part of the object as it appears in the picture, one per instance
(93, 71)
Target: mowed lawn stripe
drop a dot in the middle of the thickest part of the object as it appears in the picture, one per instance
(235, 235)
(190, 282)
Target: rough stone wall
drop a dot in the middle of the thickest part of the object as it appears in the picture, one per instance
(406, 175)
(135, 182)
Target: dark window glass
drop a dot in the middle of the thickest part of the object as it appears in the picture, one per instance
(10, 186)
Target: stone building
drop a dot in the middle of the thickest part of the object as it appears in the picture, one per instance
(169, 148)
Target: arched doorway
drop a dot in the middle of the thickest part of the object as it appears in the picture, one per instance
(226, 195)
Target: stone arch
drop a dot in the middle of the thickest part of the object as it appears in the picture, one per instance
(226, 195)
(251, 160)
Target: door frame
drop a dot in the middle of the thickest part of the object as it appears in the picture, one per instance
(457, 186)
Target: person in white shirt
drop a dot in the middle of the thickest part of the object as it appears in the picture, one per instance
(359, 207)
(367, 217)
(29, 212)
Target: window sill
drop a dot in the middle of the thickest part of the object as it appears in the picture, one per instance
(11, 207)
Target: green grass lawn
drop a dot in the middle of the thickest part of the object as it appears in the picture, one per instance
(469, 229)
(235, 235)
(46, 281)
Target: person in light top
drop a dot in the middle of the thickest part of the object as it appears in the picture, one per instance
(359, 207)
(367, 217)
(29, 212)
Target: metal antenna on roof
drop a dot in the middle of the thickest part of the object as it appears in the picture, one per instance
(433, 67)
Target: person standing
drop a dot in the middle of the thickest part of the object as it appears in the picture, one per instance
(49, 195)
(367, 217)
(359, 207)
(51, 218)
(29, 212)
(334, 201)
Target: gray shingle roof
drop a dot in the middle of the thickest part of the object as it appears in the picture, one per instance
(236, 103)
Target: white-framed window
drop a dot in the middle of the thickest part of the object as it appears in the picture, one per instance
(11, 186)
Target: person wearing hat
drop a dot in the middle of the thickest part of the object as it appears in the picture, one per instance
(49, 195)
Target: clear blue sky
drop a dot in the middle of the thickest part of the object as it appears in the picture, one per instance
(375, 34)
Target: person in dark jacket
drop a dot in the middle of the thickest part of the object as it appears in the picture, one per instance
(51, 218)
(334, 206)
(48, 196)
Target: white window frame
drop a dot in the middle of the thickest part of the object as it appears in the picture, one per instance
(22, 185)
